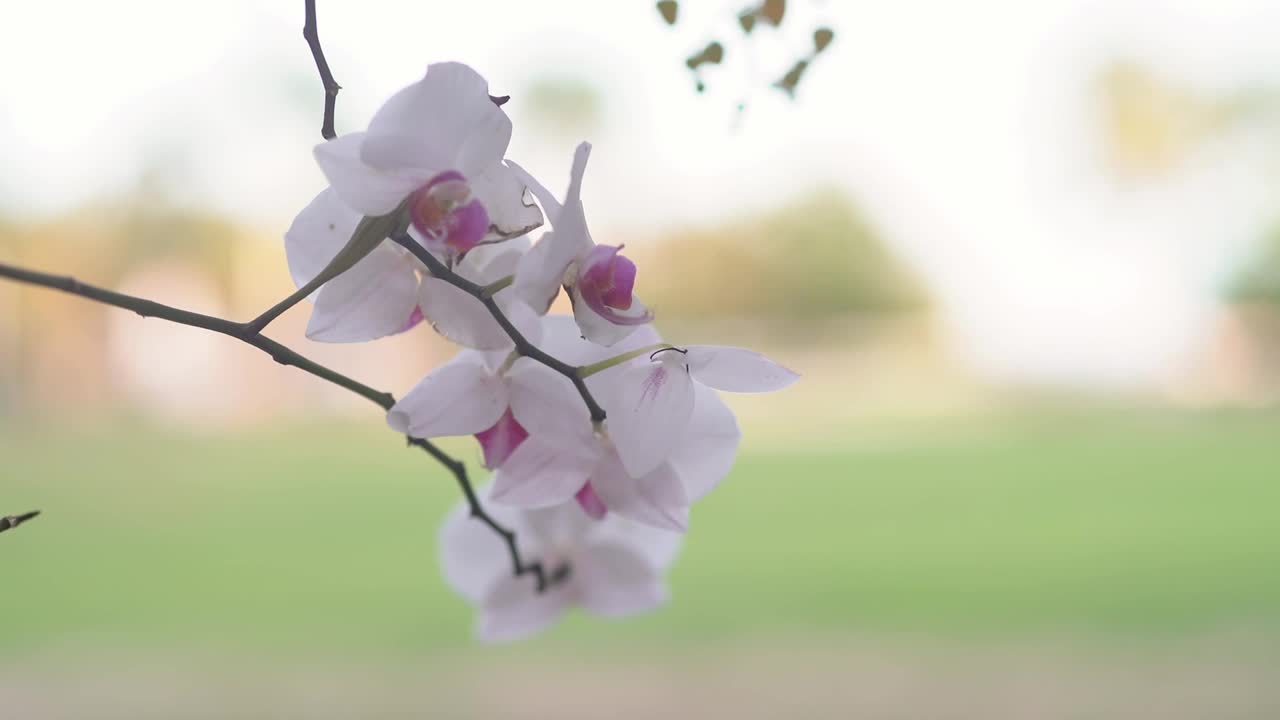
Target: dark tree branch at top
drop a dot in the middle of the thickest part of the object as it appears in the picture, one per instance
(331, 86)
(285, 356)
(523, 346)
(13, 521)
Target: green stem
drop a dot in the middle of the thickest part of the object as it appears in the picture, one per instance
(587, 371)
(492, 288)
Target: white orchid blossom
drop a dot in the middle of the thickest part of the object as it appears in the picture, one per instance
(608, 499)
(439, 142)
(389, 291)
(650, 403)
(616, 568)
(466, 396)
(564, 458)
(598, 279)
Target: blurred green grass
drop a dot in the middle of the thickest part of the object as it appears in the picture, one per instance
(322, 539)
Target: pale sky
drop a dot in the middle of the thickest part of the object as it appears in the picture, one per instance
(963, 129)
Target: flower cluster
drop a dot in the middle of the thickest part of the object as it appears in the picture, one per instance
(605, 500)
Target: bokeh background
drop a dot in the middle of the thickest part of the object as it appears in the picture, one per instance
(1026, 256)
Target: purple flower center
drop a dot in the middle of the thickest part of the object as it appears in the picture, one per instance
(608, 276)
(606, 281)
(449, 218)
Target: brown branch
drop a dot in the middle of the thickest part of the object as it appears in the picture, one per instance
(239, 331)
(244, 332)
(558, 574)
(13, 521)
(331, 86)
(522, 345)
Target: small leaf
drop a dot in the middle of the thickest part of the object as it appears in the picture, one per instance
(712, 54)
(791, 80)
(773, 10)
(822, 37)
(747, 19)
(668, 10)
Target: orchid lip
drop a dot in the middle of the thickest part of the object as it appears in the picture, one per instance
(447, 215)
(605, 280)
(590, 502)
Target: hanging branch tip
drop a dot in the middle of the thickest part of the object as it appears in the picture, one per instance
(13, 521)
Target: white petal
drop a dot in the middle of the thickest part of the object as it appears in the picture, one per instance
(501, 191)
(373, 299)
(365, 189)
(546, 403)
(538, 277)
(571, 221)
(541, 473)
(521, 316)
(560, 526)
(445, 121)
(542, 269)
(561, 338)
(513, 609)
(657, 547)
(317, 234)
(648, 413)
(706, 453)
(493, 261)
(599, 329)
(657, 499)
(484, 265)
(473, 558)
(459, 398)
(735, 369)
(550, 205)
(613, 581)
(460, 317)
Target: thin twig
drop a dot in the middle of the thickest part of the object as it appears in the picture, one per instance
(558, 574)
(283, 355)
(239, 331)
(13, 521)
(331, 86)
(522, 344)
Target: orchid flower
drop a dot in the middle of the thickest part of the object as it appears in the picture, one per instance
(617, 568)
(440, 143)
(466, 396)
(389, 291)
(471, 394)
(564, 458)
(651, 403)
(599, 280)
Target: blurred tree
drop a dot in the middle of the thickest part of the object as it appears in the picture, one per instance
(1259, 281)
(564, 105)
(813, 260)
(1150, 124)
